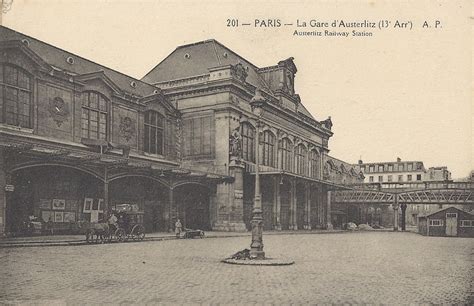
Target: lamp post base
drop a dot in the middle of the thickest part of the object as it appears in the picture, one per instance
(254, 254)
(256, 247)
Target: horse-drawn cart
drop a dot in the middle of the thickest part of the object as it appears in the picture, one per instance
(127, 224)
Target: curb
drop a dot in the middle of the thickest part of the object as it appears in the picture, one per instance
(18, 244)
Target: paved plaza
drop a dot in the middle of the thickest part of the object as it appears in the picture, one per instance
(355, 268)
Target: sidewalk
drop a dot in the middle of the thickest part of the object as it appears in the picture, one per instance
(64, 240)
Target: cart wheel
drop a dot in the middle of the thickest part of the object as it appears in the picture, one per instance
(89, 236)
(107, 237)
(138, 232)
(120, 235)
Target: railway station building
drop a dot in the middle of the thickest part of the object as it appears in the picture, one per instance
(78, 139)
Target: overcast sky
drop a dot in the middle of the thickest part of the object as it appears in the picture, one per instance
(400, 93)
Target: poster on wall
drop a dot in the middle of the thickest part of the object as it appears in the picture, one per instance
(58, 216)
(88, 205)
(45, 204)
(69, 217)
(59, 204)
(46, 215)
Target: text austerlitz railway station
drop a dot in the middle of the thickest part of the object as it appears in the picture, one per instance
(78, 139)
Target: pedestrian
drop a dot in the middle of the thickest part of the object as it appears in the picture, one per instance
(178, 228)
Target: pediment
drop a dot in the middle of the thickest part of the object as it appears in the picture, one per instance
(99, 75)
(26, 51)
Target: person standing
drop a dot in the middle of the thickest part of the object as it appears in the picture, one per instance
(178, 227)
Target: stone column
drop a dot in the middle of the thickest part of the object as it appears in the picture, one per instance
(3, 194)
(395, 213)
(169, 211)
(404, 208)
(293, 208)
(276, 205)
(328, 211)
(106, 193)
(235, 221)
(308, 206)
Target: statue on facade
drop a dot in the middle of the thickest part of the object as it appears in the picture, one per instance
(235, 143)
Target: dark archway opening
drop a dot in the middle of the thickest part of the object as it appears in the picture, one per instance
(192, 201)
(50, 199)
(145, 195)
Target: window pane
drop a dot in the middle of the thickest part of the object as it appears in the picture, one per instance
(153, 140)
(93, 100)
(102, 104)
(11, 75)
(23, 80)
(159, 142)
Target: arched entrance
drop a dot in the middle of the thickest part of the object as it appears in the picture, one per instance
(146, 195)
(192, 202)
(52, 194)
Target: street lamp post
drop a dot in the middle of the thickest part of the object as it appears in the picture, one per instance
(256, 247)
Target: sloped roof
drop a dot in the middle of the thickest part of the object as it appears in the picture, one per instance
(451, 207)
(57, 57)
(196, 59)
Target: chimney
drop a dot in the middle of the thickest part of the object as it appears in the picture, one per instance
(360, 162)
(399, 159)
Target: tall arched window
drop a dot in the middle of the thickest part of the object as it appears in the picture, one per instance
(154, 131)
(268, 146)
(300, 156)
(314, 163)
(248, 142)
(94, 116)
(15, 96)
(286, 155)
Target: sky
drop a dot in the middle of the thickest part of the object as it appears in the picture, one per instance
(402, 92)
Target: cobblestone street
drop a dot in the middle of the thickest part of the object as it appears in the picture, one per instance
(356, 268)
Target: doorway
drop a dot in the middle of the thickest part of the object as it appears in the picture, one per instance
(451, 224)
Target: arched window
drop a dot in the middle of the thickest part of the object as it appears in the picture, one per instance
(154, 131)
(248, 142)
(301, 155)
(15, 96)
(314, 163)
(286, 155)
(94, 116)
(268, 145)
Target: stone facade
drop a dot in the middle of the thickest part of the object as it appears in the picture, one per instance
(180, 143)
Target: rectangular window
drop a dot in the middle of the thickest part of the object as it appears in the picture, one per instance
(410, 167)
(436, 222)
(371, 168)
(400, 178)
(400, 167)
(451, 215)
(389, 178)
(409, 177)
(154, 131)
(380, 178)
(15, 97)
(380, 168)
(371, 179)
(467, 223)
(390, 168)
(418, 177)
(198, 136)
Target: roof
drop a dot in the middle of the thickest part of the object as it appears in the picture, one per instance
(57, 57)
(196, 59)
(451, 207)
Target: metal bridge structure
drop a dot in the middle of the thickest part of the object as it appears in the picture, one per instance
(399, 195)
